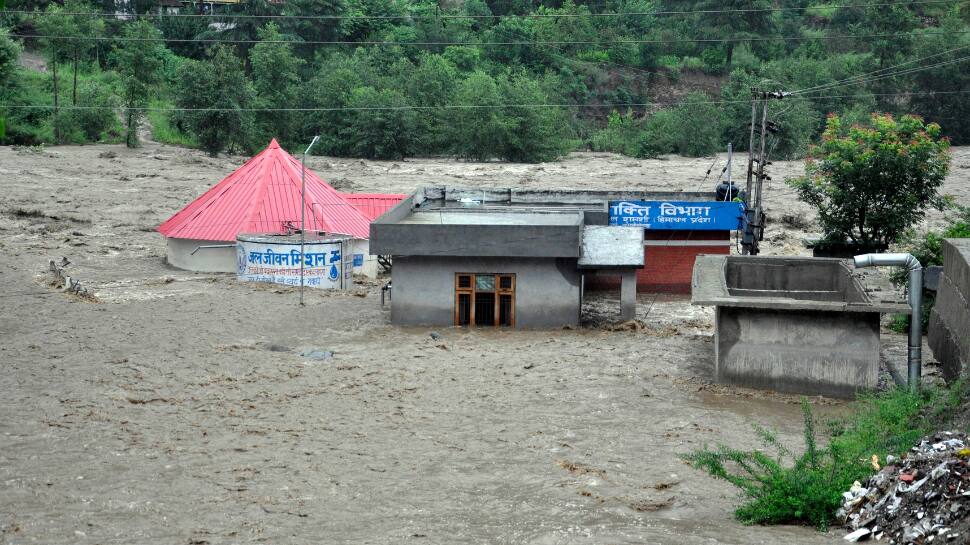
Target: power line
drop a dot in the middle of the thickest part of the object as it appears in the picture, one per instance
(477, 106)
(659, 13)
(902, 72)
(483, 44)
(851, 80)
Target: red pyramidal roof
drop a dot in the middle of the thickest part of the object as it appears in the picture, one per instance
(263, 196)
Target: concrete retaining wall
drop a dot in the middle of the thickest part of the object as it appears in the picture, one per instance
(805, 352)
(547, 291)
(949, 330)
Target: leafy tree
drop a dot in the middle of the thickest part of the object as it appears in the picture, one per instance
(276, 79)
(52, 25)
(85, 26)
(311, 30)
(244, 30)
(532, 133)
(328, 91)
(97, 120)
(180, 29)
(950, 107)
(477, 128)
(381, 127)
(693, 129)
(431, 86)
(870, 184)
(215, 92)
(718, 21)
(140, 63)
(357, 28)
(9, 55)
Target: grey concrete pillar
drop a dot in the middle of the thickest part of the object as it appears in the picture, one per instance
(628, 295)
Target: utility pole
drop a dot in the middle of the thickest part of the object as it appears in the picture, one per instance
(754, 214)
(303, 214)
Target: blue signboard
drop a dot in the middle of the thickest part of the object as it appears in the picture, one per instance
(686, 215)
(358, 260)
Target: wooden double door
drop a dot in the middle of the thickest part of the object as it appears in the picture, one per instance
(485, 299)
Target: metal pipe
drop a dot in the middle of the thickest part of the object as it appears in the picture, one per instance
(207, 246)
(915, 303)
(303, 212)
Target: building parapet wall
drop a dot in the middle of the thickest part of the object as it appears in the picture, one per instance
(949, 329)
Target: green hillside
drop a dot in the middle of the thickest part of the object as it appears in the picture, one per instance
(510, 79)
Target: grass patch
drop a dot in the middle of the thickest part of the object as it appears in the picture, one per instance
(165, 131)
(782, 487)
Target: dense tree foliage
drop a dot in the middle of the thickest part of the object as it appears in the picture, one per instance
(212, 95)
(518, 80)
(869, 184)
(140, 62)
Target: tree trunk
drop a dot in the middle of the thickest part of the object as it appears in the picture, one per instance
(131, 139)
(57, 129)
(74, 87)
(730, 55)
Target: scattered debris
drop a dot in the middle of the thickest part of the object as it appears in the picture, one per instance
(578, 468)
(315, 354)
(66, 283)
(923, 497)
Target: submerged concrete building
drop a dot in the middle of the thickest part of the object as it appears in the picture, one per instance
(510, 257)
(794, 324)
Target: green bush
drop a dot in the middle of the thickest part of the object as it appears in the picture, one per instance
(169, 127)
(100, 123)
(621, 135)
(782, 487)
(27, 126)
(715, 59)
(928, 249)
(692, 129)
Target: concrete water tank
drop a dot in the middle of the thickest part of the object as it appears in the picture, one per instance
(326, 261)
(794, 324)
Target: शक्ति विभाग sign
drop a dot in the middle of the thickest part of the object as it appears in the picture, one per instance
(686, 215)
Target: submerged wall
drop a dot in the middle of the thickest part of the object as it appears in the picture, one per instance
(949, 331)
(547, 290)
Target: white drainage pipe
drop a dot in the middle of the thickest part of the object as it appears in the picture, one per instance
(915, 302)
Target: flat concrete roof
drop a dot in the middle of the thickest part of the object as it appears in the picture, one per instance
(709, 286)
(509, 222)
(480, 216)
(611, 247)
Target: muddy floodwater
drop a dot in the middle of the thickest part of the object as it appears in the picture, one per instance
(175, 407)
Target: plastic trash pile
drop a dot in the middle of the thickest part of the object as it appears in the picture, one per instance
(924, 497)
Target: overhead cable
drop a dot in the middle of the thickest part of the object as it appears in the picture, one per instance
(483, 44)
(407, 17)
(469, 106)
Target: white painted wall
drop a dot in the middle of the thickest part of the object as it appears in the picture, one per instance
(369, 266)
(179, 254)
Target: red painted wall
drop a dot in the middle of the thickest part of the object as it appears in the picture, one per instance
(667, 268)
